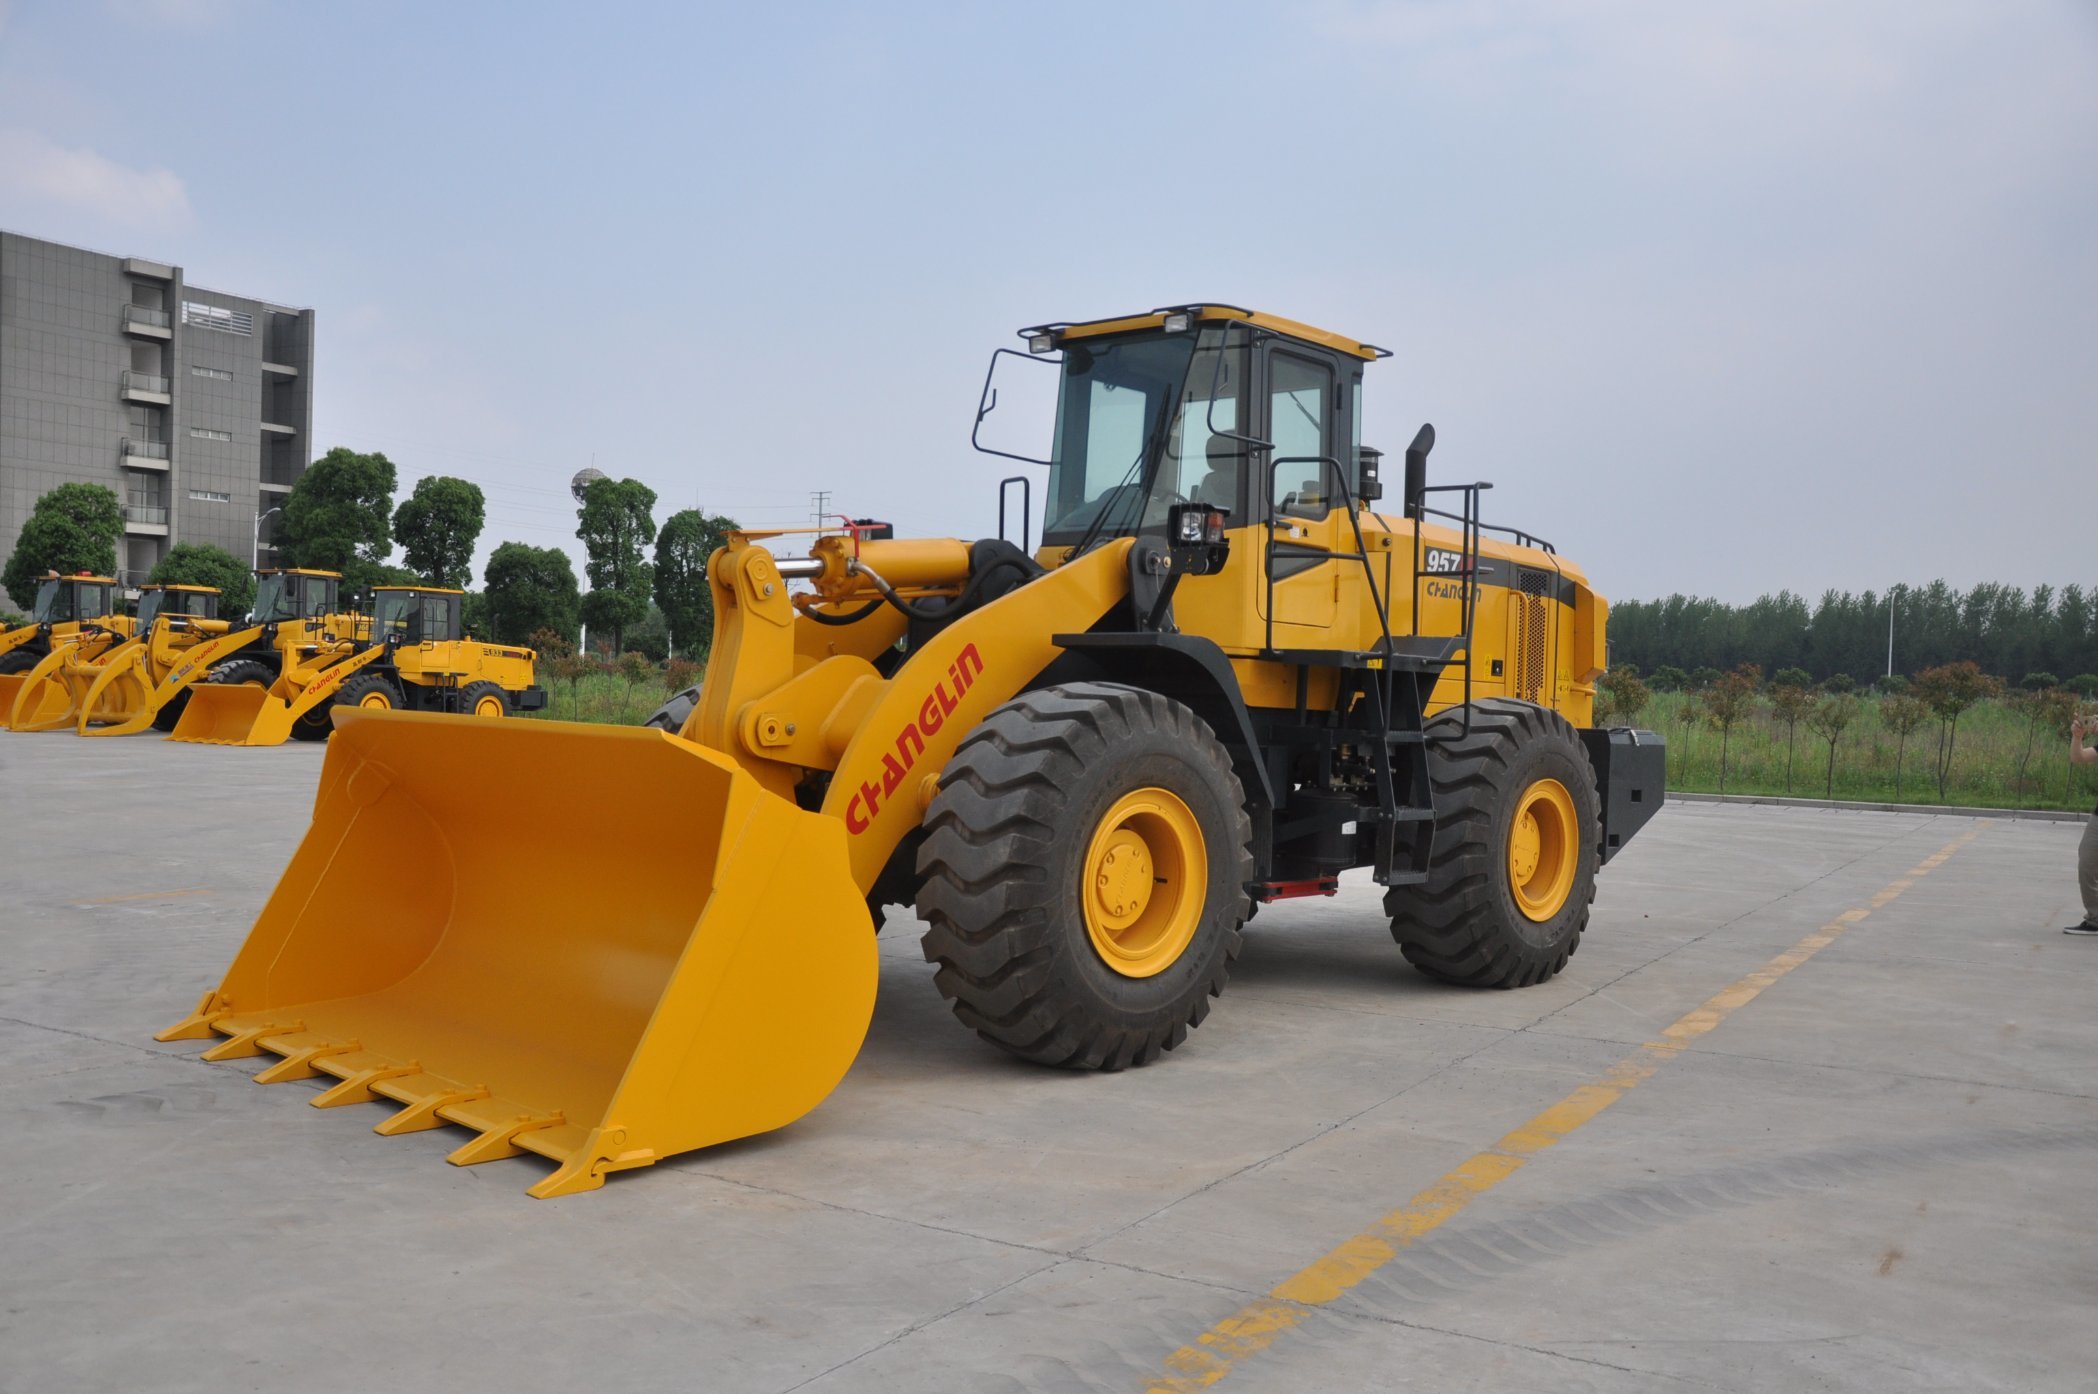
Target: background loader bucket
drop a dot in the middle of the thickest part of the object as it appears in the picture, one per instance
(219, 714)
(604, 945)
(35, 700)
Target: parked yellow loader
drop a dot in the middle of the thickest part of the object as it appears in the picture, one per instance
(296, 613)
(408, 656)
(81, 684)
(81, 609)
(1222, 680)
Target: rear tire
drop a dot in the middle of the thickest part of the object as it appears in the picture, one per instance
(484, 699)
(1475, 921)
(1085, 868)
(18, 661)
(315, 725)
(239, 672)
(369, 690)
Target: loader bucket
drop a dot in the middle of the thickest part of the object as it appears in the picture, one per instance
(218, 714)
(35, 700)
(604, 945)
(118, 700)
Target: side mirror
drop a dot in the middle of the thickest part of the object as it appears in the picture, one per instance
(1417, 471)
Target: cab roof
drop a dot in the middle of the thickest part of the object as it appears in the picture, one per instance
(181, 586)
(1060, 330)
(422, 590)
(297, 571)
(87, 576)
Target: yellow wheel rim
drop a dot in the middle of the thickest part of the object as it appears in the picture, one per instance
(1146, 876)
(376, 699)
(1543, 849)
(489, 706)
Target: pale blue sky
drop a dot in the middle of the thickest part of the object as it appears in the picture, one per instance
(1722, 298)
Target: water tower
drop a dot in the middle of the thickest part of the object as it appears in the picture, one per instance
(584, 478)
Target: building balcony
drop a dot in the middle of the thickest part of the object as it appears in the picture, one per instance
(279, 370)
(145, 322)
(280, 476)
(145, 454)
(276, 429)
(150, 270)
(148, 519)
(149, 388)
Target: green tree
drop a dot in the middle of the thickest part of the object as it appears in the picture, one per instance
(1729, 700)
(1893, 682)
(1668, 678)
(616, 525)
(2084, 684)
(338, 513)
(1702, 678)
(438, 525)
(2048, 711)
(1829, 719)
(74, 527)
(1789, 701)
(1840, 683)
(689, 537)
(201, 564)
(530, 589)
(1949, 690)
(1619, 697)
(635, 669)
(2039, 682)
(1902, 714)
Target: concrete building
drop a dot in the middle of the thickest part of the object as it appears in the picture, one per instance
(194, 405)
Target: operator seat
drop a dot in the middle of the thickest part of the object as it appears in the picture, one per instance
(1219, 487)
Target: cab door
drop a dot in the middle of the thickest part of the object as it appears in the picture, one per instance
(1300, 395)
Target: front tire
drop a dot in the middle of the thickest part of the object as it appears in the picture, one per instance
(1085, 867)
(484, 699)
(372, 691)
(1511, 873)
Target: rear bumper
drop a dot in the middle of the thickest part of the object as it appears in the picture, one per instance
(1631, 774)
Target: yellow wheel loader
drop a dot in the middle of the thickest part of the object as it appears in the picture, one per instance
(296, 613)
(79, 612)
(408, 655)
(91, 683)
(1226, 677)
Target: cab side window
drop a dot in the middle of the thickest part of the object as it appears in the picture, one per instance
(1300, 423)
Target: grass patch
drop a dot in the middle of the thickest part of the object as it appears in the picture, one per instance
(1997, 760)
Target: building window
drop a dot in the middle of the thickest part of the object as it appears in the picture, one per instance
(217, 317)
(220, 373)
(202, 433)
(210, 496)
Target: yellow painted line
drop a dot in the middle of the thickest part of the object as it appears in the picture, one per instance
(146, 895)
(1258, 1325)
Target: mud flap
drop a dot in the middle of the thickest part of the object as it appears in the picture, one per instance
(603, 945)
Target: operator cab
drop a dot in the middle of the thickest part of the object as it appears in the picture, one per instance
(406, 615)
(192, 602)
(79, 597)
(1249, 413)
(294, 594)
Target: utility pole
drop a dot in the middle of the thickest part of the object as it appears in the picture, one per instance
(1890, 629)
(819, 505)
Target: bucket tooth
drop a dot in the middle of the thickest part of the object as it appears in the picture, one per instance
(357, 1088)
(298, 1063)
(197, 1026)
(247, 1040)
(502, 1141)
(603, 1152)
(421, 1115)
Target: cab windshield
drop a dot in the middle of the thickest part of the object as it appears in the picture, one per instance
(397, 617)
(54, 603)
(1134, 436)
(274, 602)
(149, 603)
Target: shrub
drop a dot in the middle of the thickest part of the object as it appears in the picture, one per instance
(1839, 683)
(1668, 678)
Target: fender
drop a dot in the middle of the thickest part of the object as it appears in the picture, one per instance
(950, 684)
